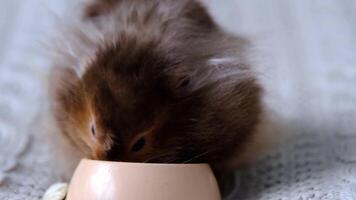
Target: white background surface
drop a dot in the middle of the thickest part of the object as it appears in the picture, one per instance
(306, 50)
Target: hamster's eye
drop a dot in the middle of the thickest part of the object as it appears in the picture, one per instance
(138, 145)
(184, 82)
(93, 131)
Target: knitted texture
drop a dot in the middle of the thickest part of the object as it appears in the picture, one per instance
(307, 62)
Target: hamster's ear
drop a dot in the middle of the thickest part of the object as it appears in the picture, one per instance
(97, 8)
(179, 81)
(220, 72)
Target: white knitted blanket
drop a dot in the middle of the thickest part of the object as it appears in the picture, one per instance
(308, 52)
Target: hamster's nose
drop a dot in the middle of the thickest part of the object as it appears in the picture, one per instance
(116, 156)
(113, 154)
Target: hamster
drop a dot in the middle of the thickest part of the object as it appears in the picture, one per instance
(157, 82)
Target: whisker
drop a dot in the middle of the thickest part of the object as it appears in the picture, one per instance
(216, 148)
(197, 156)
(157, 156)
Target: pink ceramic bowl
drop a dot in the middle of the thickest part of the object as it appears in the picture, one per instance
(101, 180)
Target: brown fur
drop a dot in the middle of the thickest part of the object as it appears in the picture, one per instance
(165, 72)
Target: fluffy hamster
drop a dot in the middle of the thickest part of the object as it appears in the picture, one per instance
(154, 81)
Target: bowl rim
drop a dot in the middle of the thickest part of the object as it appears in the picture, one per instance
(145, 164)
